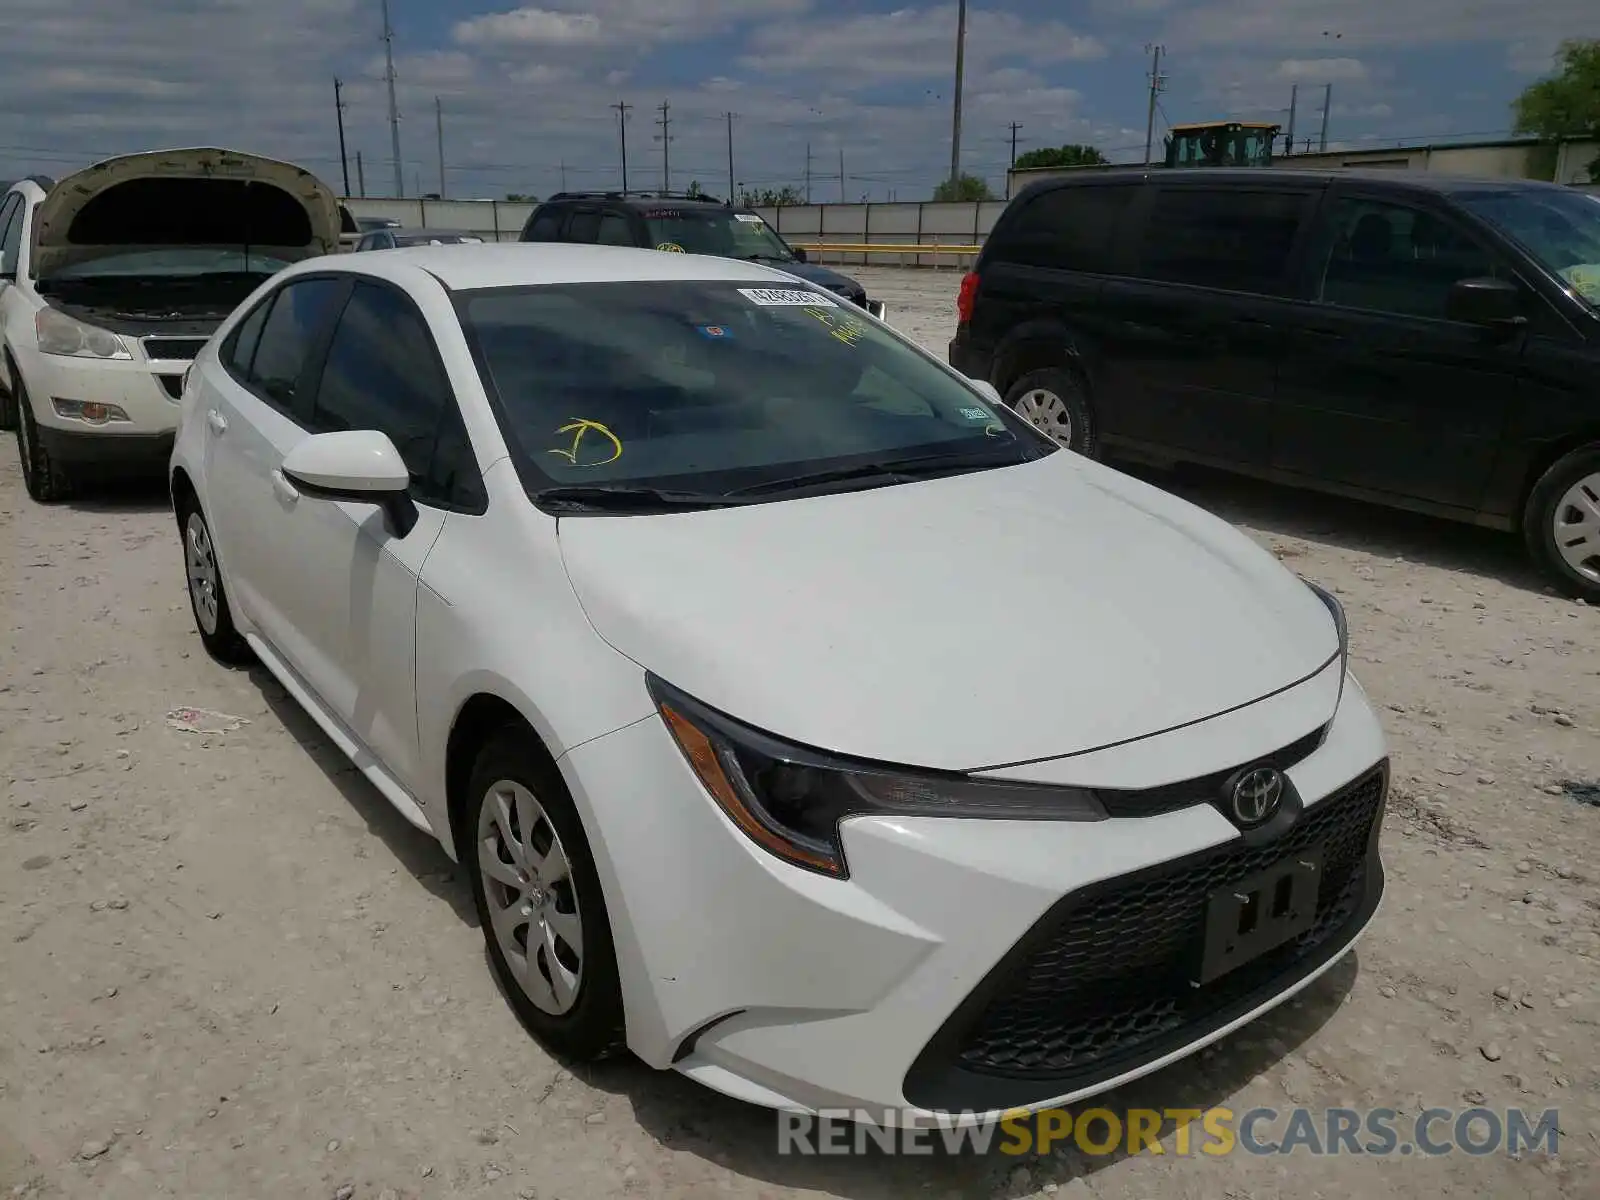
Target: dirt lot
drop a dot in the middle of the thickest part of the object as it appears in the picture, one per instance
(228, 969)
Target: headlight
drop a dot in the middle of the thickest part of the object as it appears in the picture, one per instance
(790, 800)
(1340, 624)
(60, 334)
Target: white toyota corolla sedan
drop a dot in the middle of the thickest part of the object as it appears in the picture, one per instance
(805, 722)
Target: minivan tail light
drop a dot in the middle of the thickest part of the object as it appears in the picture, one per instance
(966, 296)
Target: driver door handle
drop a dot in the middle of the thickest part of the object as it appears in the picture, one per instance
(218, 422)
(286, 490)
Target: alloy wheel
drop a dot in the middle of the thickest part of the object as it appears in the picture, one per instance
(533, 906)
(1047, 413)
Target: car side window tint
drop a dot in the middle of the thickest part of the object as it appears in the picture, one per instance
(614, 230)
(545, 226)
(382, 373)
(1228, 238)
(240, 350)
(11, 230)
(1393, 258)
(1072, 228)
(585, 226)
(290, 332)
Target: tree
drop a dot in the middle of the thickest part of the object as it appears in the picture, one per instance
(695, 189)
(962, 188)
(770, 198)
(1061, 156)
(1567, 105)
(521, 198)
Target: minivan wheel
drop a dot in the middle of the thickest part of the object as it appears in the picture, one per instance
(1562, 522)
(539, 900)
(1053, 400)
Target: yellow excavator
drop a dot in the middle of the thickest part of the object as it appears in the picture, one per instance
(1221, 144)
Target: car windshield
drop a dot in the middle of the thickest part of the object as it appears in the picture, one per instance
(175, 261)
(716, 231)
(712, 387)
(1559, 228)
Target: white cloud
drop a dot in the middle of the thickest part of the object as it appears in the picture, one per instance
(1353, 24)
(1321, 70)
(529, 27)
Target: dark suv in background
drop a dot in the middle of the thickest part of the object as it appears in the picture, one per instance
(684, 224)
(1422, 341)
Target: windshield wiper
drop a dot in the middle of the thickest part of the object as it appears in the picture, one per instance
(903, 470)
(778, 258)
(601, 497)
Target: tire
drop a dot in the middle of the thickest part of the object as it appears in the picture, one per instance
(46, 480)
(1055, 401)
(8, 401)
(208, 596)
(513, 785)
(1561, 523)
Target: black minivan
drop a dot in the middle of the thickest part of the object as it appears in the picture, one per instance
(1417, 340)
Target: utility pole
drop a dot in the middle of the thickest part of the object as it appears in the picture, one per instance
(1014, 127)
(955, 119)
(622, 127)
(1294, 101)
(808, 172)
(563, 175)
(1327, 103)
(665, 138)
(394, 108)
(438, 120)
(361, 176)
(338, 108)
(1157, 83)
(732, 188)
(843, 199)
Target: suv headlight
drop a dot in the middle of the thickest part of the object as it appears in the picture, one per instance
(790, 800)
(1340, 624)
(62, 335)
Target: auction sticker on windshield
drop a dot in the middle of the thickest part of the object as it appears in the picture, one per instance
(782, 297)
(748, 218)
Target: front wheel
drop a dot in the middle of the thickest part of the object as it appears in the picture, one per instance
(46, 480)
(1561, 522)
(1056, 403)
(539, 901)
(208, 599)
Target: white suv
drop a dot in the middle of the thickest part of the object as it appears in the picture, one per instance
(112, 280)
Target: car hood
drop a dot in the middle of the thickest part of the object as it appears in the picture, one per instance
(964, 623)
(831, 280)
(202, 197)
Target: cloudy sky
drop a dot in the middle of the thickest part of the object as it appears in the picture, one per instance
(526, 93)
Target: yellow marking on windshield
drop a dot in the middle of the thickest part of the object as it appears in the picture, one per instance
(579, 428)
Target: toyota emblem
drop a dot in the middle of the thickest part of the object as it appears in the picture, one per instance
(1257, 795)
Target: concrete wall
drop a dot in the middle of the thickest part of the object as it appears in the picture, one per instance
(900, 224)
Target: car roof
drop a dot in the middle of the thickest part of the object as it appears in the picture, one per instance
(524, 264)
(1407, 180)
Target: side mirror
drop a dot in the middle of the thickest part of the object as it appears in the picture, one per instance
(1485, 301)
(357, 466)
(799, 253)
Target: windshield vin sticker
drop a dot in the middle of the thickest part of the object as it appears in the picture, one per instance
(786, 297)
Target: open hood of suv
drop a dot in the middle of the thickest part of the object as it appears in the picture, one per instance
(202, 197)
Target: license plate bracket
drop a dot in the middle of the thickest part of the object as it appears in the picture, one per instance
(1259, 913)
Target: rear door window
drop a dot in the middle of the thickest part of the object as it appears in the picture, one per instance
(1071, 228)
(584, 226)
(545, 226)
(1228, 238)
(615, 230)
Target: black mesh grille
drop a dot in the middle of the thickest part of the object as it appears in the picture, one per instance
(1110, 977)
(1206, 789)
(173, 347)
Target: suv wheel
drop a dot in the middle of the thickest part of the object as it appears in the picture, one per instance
(43, 476)
(1054, 401)
(1561, 522)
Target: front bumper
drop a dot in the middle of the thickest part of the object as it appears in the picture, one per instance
(146, 390)
(936, 981)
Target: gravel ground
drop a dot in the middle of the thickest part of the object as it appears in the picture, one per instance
(228, 969)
